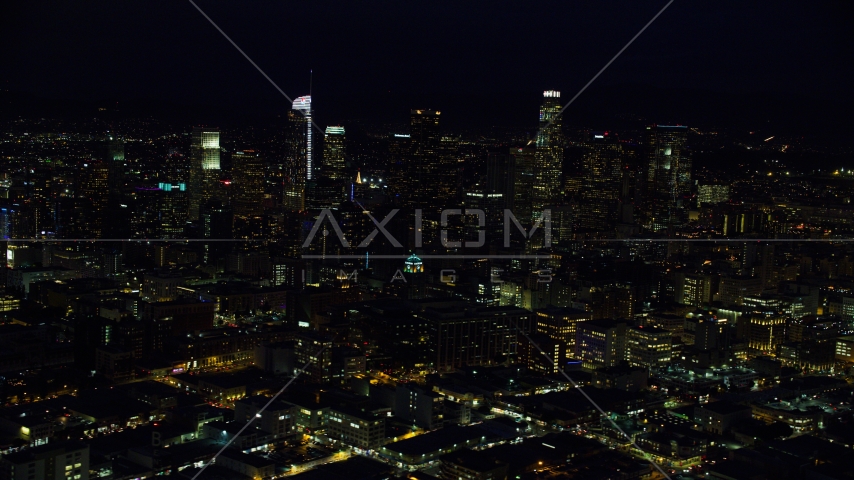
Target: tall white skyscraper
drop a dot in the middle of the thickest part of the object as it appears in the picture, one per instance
(299, 161)
(303, 105)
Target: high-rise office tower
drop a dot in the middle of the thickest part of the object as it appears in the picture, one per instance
(92, 204)
(298, 161)
(248, 183)
(447, 174)
(524, 163)
(334, 163)
(217, 222)
(398, 156)
(560, 324)
(303, 105)
(668, 176)
(601, 166)
(548, 160)
(115, 222)
(501, 176)
(424, 156)
(38, 201)
(332, 183)
(159, 212)
(204, 168)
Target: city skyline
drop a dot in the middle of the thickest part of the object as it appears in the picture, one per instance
(394, 241)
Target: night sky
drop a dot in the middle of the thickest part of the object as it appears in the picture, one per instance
(481, 62)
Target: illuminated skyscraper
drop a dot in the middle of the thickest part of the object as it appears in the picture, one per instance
(248, 183)
(601, 180)
(204, 168)
(668, 176)
(548, 160)
(298, 163)
(331, 185)
(334, 164)
(303, 105)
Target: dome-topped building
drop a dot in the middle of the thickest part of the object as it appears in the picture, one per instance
(413, 265)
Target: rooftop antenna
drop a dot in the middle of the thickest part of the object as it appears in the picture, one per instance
(310, 78)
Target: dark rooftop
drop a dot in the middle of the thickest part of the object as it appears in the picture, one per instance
(437, 440)
(724, 408)
(472, 460)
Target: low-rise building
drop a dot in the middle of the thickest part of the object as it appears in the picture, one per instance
(718, 417)
(355, 427)
(55, 461)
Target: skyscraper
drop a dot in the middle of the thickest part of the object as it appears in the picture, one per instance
(334, 164)
(303, 105)
(332, 183)
(91, 205)
(298, 161)
(398, 158)
(524, 177)
(204, 168)
(548, 161)
(248, 183)
(668, 176)
(501, 176)
(601, 166)
(424, 156)
(159, 211)
(447, 174)
(115, 222)
(217, 222)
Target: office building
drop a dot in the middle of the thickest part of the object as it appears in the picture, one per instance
(712, 193)
(600, 343)
(217, 222)
(54, 461)
(278, 418)
(419, 405)
(314, 350)
(248, 183)
(424, 141)
(694, 289)
(766, 331)
(601, 166)
(331, 185)
(648, 347)
(297, 170)
(334, 159)
(355, 427)
(668, 179)
(548, 159)
(710, 332)
(204, 168)
(463, 334)
(523, 168)
(561, 324)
